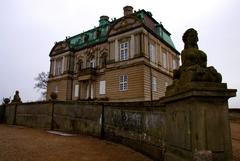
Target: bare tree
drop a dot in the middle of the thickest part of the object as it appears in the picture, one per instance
(41, 83)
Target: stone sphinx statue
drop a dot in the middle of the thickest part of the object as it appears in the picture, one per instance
(193, 73)
(194, 62)
(16, 98)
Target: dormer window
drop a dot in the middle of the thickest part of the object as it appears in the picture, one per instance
(97, 33)
(85, 38)
(124, 51)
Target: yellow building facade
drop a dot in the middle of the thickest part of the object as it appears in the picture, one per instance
(127, 59)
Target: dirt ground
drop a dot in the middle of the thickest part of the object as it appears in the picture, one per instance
(26, 144)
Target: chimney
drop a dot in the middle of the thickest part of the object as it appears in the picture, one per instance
(103, 20)
(127, 10)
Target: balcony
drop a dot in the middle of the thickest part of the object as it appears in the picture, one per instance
(87, 73)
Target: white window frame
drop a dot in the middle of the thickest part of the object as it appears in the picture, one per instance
(124, 51)
(58, 66)
(152, 52)
(174, 65)
(76, 90)
(154, 84)
(123, 83)
(92, 63)
(102, 87)
(165, 60)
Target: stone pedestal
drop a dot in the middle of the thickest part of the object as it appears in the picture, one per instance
(197, 120)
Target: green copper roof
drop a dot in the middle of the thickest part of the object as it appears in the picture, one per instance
(99, 34)
(90, 37)
(159, 30)
(168, 39)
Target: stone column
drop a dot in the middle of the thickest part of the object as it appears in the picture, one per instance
(132, 47)
(63, 64)
(51, 67)
(197, 120)
(79, 92)
(54, 67)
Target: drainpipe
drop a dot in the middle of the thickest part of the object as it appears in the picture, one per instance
(102, 123)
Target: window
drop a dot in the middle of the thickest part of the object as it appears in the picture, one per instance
(152, 53)
(123, 83)
(102, 87)
(164, 60)
(76, 90)
(56, 89)
(92, 63)
(58, 67)
(123, 51)
(154, 84)
(166, 84)
(174, 64)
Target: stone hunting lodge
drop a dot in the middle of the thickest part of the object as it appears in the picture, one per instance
(131, 58)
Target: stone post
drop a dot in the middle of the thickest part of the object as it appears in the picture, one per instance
(197, 121)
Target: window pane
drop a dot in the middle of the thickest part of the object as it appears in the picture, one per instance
(123, 82)
(164, 60)
(76, 90)
(154, 84)
(124, 51)
(102, 89)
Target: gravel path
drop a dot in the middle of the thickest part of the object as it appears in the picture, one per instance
(26, 144)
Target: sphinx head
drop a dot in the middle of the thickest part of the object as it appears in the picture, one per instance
(190, 39)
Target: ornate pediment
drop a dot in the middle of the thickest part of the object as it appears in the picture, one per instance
(59, 47)
(123, 24)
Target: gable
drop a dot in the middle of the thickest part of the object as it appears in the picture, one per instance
(124, 24)
(59, 47)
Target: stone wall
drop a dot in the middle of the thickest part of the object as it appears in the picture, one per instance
(78, 117)
(234, 115)
(10, 114)
(38, 115)
(74, 117)
(2, 113)
(140, 126)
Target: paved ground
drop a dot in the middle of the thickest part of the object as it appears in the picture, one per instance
(26, 144)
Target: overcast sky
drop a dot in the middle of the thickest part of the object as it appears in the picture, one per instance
(29, 28)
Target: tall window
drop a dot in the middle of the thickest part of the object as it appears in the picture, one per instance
(152, 53)
(154, 84)
(123, 82)
(164, 54)
(124, 51)
(76, 90)
(92, 63)
(56, 89)
(58, 67)
(102, 87)
(174, 64)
